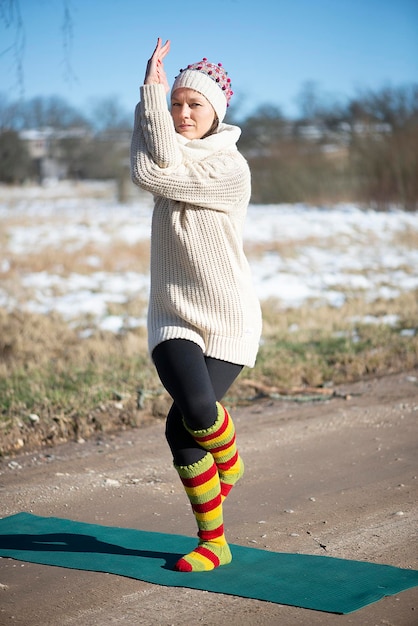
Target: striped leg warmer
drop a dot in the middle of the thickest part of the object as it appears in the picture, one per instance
(219, 439)
(201, 482)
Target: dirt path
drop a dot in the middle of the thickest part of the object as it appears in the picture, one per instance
(337, 478)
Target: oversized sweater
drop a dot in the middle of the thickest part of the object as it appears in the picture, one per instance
(201, 286)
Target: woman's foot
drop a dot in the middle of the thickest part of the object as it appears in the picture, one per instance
(207, 556)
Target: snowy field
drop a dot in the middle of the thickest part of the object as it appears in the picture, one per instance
(297, 253)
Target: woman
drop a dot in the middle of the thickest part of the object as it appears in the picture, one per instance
(204, 319)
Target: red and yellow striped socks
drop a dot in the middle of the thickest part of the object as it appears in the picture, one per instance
(219, 440)
(201, 482)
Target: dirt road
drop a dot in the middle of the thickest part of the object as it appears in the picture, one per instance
(338, 478)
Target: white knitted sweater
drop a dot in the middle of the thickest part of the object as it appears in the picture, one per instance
(201, 286)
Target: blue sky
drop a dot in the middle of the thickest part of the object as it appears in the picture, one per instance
(271, 48)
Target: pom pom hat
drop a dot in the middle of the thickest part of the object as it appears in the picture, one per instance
(210, 80)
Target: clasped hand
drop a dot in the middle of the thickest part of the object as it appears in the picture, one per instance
(155, 73)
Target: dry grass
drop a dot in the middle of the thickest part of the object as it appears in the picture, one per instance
(407, 238)
(76, 386)
(321, 345)
(118, 256)
(59, 382)
(290, 248)
(81, 386)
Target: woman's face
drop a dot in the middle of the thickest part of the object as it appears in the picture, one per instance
(192, 114)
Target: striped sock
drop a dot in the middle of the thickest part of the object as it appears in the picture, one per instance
(201, 482)
(219, 439)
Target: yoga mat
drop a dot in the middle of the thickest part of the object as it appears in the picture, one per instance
(313, 582)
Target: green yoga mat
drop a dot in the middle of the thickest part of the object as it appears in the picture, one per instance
(313, 582)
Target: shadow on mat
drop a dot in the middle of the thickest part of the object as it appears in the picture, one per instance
(71, 542)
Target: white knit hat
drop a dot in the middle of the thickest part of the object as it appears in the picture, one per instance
(210, 80)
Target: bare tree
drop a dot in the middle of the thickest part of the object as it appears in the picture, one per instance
(53, 112)
(384, 146)
(109, 116)
(12, 20)
(309, 101)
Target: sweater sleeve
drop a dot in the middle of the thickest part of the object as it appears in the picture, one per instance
(153, 120)
(219, 180)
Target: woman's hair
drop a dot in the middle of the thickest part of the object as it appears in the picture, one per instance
(212, 130)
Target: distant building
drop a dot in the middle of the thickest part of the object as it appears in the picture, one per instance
(45, 149)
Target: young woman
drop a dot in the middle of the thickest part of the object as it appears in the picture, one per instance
(204, 319)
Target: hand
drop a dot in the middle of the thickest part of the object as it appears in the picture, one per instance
(155, 73)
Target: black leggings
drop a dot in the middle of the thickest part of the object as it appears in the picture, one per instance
(195, 382)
